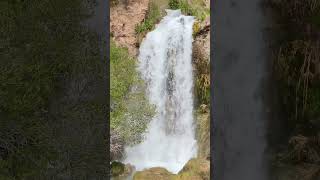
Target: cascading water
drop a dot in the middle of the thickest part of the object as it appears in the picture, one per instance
(165, 65)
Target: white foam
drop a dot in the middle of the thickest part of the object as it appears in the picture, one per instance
(165, 63)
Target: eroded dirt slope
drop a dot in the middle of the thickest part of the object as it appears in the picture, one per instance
(123, 19)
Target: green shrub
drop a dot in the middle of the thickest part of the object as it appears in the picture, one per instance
(117, 168)
(130, 110)
(174, 4)
(197, 8)
(153, 16)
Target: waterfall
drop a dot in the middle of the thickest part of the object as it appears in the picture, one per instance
(165, 64)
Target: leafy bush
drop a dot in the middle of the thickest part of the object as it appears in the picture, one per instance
(174, 4)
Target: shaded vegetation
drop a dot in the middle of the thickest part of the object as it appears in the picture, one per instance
(296, 66)
(297, 72)
(52, 110)
(297, 61)
(117, 168)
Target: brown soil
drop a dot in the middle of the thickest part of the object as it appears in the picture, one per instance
(123, 20)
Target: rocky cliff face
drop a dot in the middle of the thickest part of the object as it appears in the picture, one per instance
(201, 62)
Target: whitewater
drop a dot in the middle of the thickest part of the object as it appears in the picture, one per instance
(165, 64)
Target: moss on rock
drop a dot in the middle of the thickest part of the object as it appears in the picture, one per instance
(157, 173)
(120, 171)
(195, 169)
(203, 132)
(117, 168)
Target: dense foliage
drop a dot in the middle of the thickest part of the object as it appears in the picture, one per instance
(298, 61)
(51, 92)
(130, 110)
(297, 71)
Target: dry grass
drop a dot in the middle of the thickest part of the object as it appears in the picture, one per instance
(297, 63)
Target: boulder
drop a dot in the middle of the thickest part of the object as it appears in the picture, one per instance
(195, 169)
(120, 171)
(117, 168)
(156, 173)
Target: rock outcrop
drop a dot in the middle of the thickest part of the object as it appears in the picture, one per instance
(195, 169)
(201, 61)
(156, 173)
(120, 171)
(203, 132)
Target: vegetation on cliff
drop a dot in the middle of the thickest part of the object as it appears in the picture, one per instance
(297, 64)
(201, 63)
(130, 110)
(152, 17)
